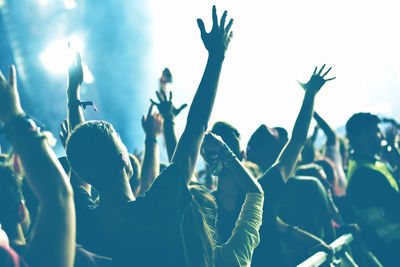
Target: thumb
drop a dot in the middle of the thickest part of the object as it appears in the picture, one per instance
(180, 109)
(143, 120)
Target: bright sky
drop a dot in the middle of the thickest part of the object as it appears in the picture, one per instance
(278, 42)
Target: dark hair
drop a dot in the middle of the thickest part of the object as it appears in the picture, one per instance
(358, 124)
(265, 145)
(88, 149)
(10, 196)
(199, 227)
(230, 135)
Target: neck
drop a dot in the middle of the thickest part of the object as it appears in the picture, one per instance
(117, 194)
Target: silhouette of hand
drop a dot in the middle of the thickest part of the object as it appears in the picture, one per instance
(217, 40)
(64, 133)
(212, 146)
(316, 81)
(75, 73)
(166, 107)
(10, 105)
(152, 123)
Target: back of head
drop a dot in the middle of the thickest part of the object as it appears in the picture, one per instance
(10, 197)
(230, 135)
(265, 145)
(359, 124)
(90, 148)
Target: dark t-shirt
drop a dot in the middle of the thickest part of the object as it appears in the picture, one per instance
(226, 220)
(145, 232)
(270, 251)
(368, 187)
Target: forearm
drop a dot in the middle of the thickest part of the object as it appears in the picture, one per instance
(188, 147)
(238, 250)
(151, 164)
(245, 180)
(170, 137)
(288, 157)
(74, 110)
(329, 132)
(203, 101)
(57, 211)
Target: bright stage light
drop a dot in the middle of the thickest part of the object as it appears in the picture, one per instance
(69, 4)
(56, 57)
(43, 2)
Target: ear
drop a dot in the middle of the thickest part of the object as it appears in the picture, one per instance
(22, 211)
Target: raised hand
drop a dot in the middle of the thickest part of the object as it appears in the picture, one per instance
(212, 147)
(217, 40)
(316, 81)
(75, 73)
(166, 107)
(64, 133)
(152, 123)
(10, 105)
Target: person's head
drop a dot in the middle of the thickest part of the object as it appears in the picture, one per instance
(364, 134)
(96, 153)
(230, 135)
(265, 144)
(12, 206)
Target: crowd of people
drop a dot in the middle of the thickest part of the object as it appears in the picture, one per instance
(273, 204)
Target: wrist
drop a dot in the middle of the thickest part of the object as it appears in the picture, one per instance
(150, 140)
(216, 56)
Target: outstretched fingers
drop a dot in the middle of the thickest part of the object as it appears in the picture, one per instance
(228, 27)
(326, 72)
(223, 19)
(200, 23)
(320, 71)
(150, 111)
(177, 111)
(12, 78)
(214, 17)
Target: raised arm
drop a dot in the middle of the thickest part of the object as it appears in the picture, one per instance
(168, 111)
(220, 155)
(75, 80)
(289, 155)
(54, 231)
(216, 42)
(331, 138)
(238, 250)
(152, 126)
